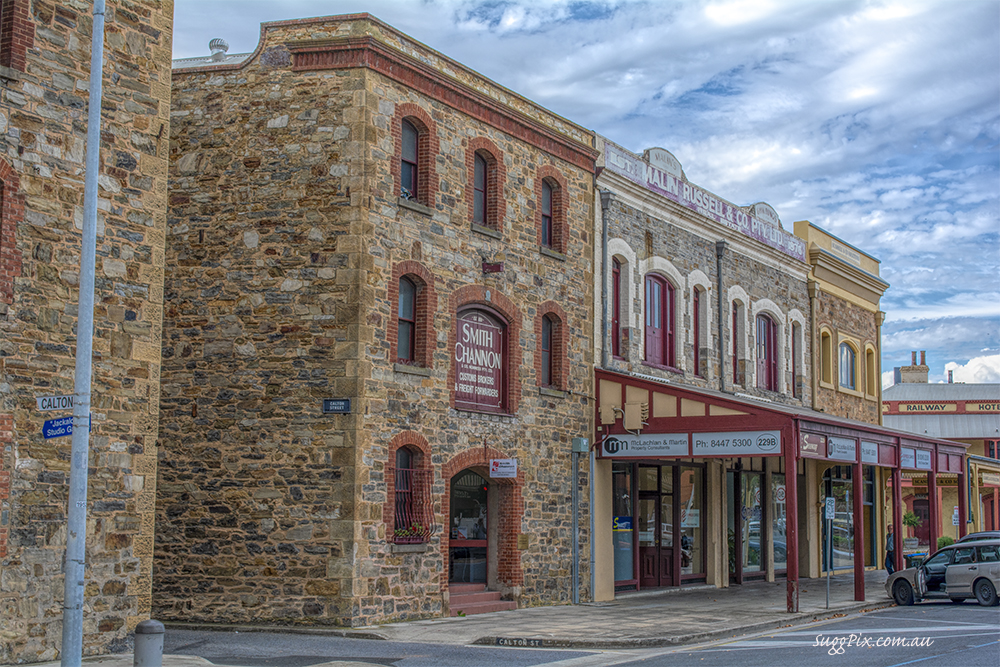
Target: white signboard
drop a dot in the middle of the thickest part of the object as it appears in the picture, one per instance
(503, 468)
(923, 459)
(690, 518)
(869, 452)
(842, 449)
(831, 508)
(653, 444)
(736, 443)
(907, 459)
(954, 517)
(46, 403)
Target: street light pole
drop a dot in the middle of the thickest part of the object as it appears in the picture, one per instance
(76, 529)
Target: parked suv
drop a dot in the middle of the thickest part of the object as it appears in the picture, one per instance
(958, 572)
(984, 535)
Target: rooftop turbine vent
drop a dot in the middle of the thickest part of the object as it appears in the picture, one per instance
(218, 47)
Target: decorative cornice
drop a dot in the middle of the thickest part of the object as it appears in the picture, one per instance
(369, 53)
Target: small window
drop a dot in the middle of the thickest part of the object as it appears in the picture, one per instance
(826, 357)
(616, 307)
(871, 373)
(767, 353)
(546, 379)
(409, 166)
(546, 214)
(659, 321)
(405, 345)
(411, 519)
(480, 194)
(696, 326)
(848, 379)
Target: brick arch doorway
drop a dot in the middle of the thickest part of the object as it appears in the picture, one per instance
(504, 511)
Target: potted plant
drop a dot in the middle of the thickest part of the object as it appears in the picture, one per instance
(911, 520)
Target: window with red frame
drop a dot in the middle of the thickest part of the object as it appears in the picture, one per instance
(616, 307)
(547, 215)
(696, 329)
(767, 357)
(409, 163)
(411, 520)
(659, 321)
(547, 330)
(407, 314)
(480, 197)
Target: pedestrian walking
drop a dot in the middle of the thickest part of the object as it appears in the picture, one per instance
(890, 551)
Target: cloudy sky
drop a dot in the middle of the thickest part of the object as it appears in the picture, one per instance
(877, 120)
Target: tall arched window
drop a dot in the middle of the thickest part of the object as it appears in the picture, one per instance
(767, 353)
(848, 372)
(696, 329)
(616, 307)
(407, 314)
(659, 321)
(546, 351)
(796, 353)
(409, 167)
(546, 214)
(826, 358)
(480, 194)
(871, 372)
(481, 361)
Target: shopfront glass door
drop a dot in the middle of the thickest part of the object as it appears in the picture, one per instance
(751, 493)
(656, 526)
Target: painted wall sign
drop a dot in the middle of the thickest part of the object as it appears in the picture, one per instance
(869, 452)
(928, 407)
(336, 406)
(503, 468)
(653, 444)
(812, 445)
(479, 361)
(923, 459)
(907, 458)
(845, 251)
(982, 406)
(739, 443)
(842, 449)
(46, 403)
(989, 478)
(671, 186)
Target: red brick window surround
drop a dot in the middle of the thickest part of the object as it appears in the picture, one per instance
(486, 178)
(418, 347)
(416, 166)
(550, 364)
(11, 214)
(550, 223)
(17, 33)
(409, 478)
(475, 300)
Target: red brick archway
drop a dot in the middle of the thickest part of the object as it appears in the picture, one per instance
(511, 512)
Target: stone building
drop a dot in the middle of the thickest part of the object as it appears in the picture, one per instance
(377, 339)
(711, 461)
(844, 293)
(44, 77)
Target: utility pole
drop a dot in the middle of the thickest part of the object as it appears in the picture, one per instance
(76, 529)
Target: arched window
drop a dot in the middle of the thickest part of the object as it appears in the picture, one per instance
(848, 372)
(659, 321)
(616, 307)
(546, 351)
(485, 184)
(409, 168)
(481, 361)
(480, 194)
(696, 329)
(796, 353)
(767, 353)
(409, 478)
(407, 312)
(550, 216)
(546, 214)
(734, 334)
(826, 357)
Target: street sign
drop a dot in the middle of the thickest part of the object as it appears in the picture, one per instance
(831, 508)
(954, 517)
(58, 428)
(337, 406)
(46, 403)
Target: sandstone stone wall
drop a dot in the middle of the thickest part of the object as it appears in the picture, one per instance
(287, 242)
(848, 321)
(43, 118)
(678, 244)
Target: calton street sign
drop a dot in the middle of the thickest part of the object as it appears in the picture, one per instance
(47, 403)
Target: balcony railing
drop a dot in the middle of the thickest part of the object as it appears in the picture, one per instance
(413, 521)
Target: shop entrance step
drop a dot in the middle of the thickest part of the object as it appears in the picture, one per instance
(472, 599)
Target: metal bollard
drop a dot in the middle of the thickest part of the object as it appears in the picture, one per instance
(148, 644)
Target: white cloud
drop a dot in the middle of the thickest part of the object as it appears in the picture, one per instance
(977, 370)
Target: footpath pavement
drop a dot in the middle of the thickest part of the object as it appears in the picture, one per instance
(632, 620)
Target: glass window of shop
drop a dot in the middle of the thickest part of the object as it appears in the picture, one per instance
(622, 532)
(778, 509)
(692, 521)
(837, 483)
(750, 513)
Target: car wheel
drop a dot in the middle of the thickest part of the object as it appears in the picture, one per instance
(986, 595)
(902, 593)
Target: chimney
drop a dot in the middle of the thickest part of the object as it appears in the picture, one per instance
(218, 48)
(951, 377)
(914, 373)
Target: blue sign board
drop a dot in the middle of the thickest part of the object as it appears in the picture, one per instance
(622, 523)
(337, 406)
(58, 428)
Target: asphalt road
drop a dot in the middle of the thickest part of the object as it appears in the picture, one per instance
(932, 633)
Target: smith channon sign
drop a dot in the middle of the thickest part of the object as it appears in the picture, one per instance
(676, 188)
